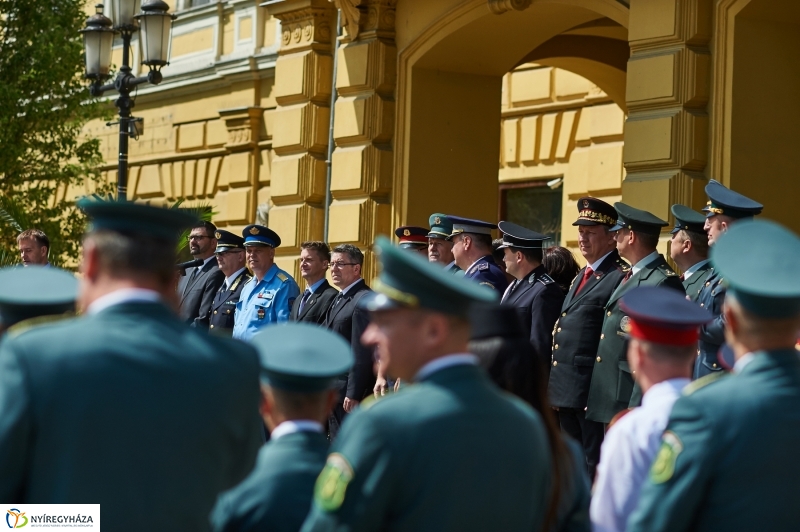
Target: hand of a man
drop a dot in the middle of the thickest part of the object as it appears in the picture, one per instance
(379, 388)
(349, 404)
(397, 385)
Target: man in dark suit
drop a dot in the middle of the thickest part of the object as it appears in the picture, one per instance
(196, 289)
(127, 407)
(313, 303)
(689, 249)
(577, 331)
(345, 317)
(230, 258)
(612, 388)
(534, 294)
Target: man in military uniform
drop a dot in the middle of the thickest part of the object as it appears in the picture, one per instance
(661, 353)
(724, 209)
(689, 249)
(35, 295)
(299, 366)
(125, 406)
(230, 257)
(534, 294)
(727, 457)
(612, 386)
(315, 259)
(440, 248)
(452, 453)
(413, 238)
(268, 297)
(472, 249)
(577, 331)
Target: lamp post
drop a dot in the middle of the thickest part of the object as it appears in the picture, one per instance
(98, 39)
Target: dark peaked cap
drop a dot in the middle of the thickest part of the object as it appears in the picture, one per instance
(136, 218)
(35, 291)
(722, 200)
(637, 220)
(227, 241)
(687, 219)
(408, 280)
(593, 211)
(516, 236)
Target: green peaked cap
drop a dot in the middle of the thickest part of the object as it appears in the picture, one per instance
(758, 260)
(35, 291)
(137, 218)
(408, 280)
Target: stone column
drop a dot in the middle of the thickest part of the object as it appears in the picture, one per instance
(666, 133)
(361, 180)
(301, 122)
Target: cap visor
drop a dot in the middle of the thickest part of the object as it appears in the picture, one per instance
(375, 302)
(616, 227)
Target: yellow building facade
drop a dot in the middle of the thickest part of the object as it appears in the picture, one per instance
(465, 107)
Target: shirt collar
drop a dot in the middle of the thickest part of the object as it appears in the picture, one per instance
(596, 264)
(229, 280)
(269, 273)
(446, 361)
(123, 295)
(205, 262)
(664, 389)
(345, 289)
(693, 268)
(313, 288)
(639, 266)
(743, 362)
(295, 425)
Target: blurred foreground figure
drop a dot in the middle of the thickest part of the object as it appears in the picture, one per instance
(450, 453)
(725, 461)
(126, 406)
(34, 295)
(300, 364)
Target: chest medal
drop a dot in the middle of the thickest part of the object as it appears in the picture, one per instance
(261, 313)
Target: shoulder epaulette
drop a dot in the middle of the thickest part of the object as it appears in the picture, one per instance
(702, 382)
(32, 323)
(545, 279)
(283, 277)
(624, 266)
(482, 266)
(666, 270)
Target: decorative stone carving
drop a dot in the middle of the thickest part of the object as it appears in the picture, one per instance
(351, 15)
(243, 126)
(498, 7)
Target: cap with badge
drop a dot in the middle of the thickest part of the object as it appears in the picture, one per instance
(298, 357)
(758, 259)
(663, 316)
(722, 200)
(35, 291)
(593, 211)
(516, 236)
(637, 220)
(408, 280)
(687, 219)
(227, 241)
(136, 218)
(258, 235)
(441, 226)
(468, 225)
(411, 236)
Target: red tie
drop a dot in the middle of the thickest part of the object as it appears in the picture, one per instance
(627, 276)
(586, 274)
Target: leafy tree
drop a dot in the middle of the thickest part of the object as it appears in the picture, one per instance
(45, 161)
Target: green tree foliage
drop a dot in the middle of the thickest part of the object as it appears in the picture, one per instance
(44, 103)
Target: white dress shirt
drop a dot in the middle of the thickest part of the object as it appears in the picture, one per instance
(123, 295)
(628, 451)
(229, 280)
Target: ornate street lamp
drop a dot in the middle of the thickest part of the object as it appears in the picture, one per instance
(98, 37)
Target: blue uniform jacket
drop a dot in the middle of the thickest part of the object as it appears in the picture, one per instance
(486, 272)
(263, 302)
(712, 335)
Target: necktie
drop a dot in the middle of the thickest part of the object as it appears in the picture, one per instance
(303, 300)
(627, 276)
(586, 274)
(192, 277)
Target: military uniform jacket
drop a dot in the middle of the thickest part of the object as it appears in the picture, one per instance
(696, 281)
(451, 453)
(537, 299)
(197, 294)
(486, 272)
(224, 306)
(727, 457)
(611, 387)
(712, 335)
(316, 305)
(130, 409)
(577, 333)
(263, 302)
(277, 494)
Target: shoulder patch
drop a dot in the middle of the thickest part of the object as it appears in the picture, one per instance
(664, 465)
(331, 485)
(482, 266)
(546, 280)
(666, 270)
(283, 277)
(702, 382)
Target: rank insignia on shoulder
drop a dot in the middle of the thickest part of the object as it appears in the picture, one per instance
(546, 280)
(664, 465)
(483, 266)
(283, 277)
(331, 485)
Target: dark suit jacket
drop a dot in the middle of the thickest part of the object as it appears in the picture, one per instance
(612, 386)
(197, 295)
(127, 408)
(537, 299)
(577, 333)
(223, 308)
(317, 305)
(350, 321)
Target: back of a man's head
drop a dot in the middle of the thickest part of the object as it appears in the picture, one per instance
(133, 257)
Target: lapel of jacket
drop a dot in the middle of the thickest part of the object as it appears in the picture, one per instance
(606, 266)
(203, 271)
(635, 279)
(332, 312)
(313, 299)
(223, 294)
(698, 277)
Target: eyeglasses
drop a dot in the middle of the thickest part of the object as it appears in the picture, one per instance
(198, 237)
(342, 264)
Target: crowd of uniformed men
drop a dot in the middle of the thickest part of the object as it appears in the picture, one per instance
(479, 385)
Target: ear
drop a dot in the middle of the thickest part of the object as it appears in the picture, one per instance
(731, 323)
(266, 407)
(723, 225)
(90, 265)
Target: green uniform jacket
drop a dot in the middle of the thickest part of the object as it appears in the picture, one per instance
(276, 496)
(611, 388)
(727, 456)
(451, 453)
(131, 409)
(695, 282)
